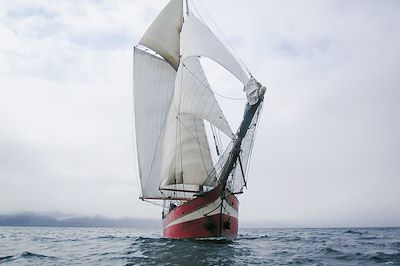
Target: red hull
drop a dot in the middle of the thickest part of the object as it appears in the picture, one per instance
(214, 214)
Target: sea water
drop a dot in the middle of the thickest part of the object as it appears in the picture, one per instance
(116, 246)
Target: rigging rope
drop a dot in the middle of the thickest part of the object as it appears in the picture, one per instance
(235, 54)
(247, 170)
(216, 93)
(215, 140)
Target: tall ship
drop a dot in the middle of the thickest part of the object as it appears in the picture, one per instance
(182, 162)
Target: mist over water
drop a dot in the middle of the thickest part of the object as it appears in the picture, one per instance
(127, 246)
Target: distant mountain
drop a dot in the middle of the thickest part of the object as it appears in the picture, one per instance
(34, 219)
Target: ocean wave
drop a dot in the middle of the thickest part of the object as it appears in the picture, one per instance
(381, 257)
(110, 237)
(301, 260)
(27, 254)
(42, 238)
(343, 256)
(289, 238)
(251, 237)
(6, 259)
(252, 246)
(368, 238)
(214, 240)
(396, 245)
(66, 240)
(331, 251)
(105, 237)
(352, 232)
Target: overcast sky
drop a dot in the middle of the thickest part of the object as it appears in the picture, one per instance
(327, 151)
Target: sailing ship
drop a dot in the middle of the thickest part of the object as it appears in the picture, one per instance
(173, 103)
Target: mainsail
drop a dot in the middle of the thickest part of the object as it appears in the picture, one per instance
(173, 99)
(154, 81)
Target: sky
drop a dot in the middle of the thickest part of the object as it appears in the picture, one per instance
(327, 151)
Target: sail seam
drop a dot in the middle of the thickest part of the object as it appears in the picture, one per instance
(198, 142)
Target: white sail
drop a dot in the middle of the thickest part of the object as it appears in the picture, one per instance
(198, 40)
(163, 34)
(154, 81)
(186, 154)
(172, 98)
(194, 96)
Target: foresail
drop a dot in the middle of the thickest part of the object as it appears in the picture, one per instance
(186, 154)
(193, 95)
(198, 40)
(154, 81)
(163, 34)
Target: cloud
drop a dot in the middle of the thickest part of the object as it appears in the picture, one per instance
(327, 149)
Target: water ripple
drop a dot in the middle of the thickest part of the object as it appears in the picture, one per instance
(97, 246)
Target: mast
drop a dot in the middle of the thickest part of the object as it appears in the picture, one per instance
(187, 7)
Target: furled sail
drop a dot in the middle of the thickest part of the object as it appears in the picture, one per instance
(154, 81)
(163, 34)
(198, 40)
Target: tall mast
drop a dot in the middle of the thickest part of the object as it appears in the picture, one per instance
(187, 7)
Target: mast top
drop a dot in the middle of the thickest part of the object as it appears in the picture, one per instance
(187, 7)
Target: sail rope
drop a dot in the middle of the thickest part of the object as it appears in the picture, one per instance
(183, 124)
(155, 203)
(219, 139)
(207, 86)
(226, 203)
(217, 147)
(197, 11)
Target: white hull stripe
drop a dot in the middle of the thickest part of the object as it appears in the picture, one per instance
(208, 210)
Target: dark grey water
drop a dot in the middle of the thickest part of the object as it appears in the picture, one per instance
(107, 246)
